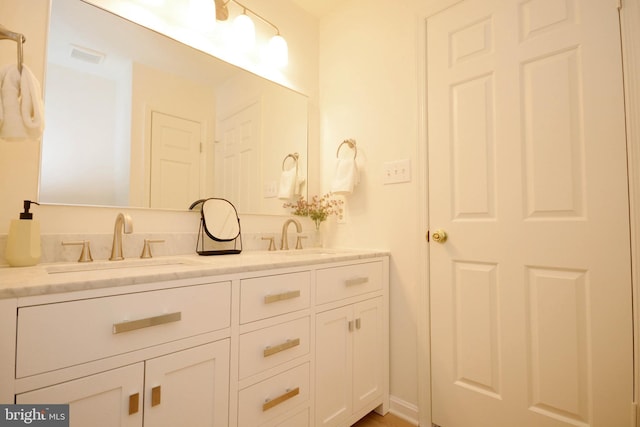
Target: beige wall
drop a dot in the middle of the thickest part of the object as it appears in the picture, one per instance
(19, 161)
(369, 92)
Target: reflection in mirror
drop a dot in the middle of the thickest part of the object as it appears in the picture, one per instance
(137, 119)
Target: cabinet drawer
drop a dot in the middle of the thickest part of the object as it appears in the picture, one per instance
(263, 297)
(301, 419)
(269, 347)
(336, 283)
(273, 397)
(64, 334)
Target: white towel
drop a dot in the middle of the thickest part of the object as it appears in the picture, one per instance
(21, 108)
(300, 180)
(288, 184)
(346, 176)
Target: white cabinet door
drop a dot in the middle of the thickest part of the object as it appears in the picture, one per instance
(349, 358)
(100, 400)
(189, 388)
(368, 383)
(333, 367)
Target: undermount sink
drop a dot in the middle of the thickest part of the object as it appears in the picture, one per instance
(117, 265)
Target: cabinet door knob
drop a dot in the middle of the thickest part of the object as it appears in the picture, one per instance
(134, 403)
(156, 395)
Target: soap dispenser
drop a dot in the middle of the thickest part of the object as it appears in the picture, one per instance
(23, 242)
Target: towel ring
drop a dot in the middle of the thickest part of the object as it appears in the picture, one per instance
(5, 34)
(351, 143)
(294, 156)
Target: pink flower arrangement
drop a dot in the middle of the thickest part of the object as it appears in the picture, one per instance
(318, 209)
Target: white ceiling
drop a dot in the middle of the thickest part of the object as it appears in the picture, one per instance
(318, 8)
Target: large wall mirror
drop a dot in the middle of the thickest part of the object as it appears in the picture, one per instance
(135, 118)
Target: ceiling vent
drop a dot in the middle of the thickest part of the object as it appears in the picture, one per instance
(87, 55)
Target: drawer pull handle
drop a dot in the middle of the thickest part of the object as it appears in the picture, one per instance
(132, 325)
(156, 395)
(356, 281)
(134, 403)
(268, 351)
(280, 399)
(281, 297)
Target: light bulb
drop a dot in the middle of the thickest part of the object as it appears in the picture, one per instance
(202, 14)
(245, 32)
(278, 51)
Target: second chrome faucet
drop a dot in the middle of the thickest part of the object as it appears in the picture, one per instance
(284, 243)
(124, 224)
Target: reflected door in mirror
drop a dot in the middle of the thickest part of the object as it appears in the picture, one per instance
(175, 161)
(237, 153)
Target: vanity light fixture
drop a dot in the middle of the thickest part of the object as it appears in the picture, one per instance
(277, 50)
(244, 31)
(202, 14)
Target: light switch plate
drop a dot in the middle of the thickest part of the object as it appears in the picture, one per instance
(270, 189)
(397, 171)
(343, 216)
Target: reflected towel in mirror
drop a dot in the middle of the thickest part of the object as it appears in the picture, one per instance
(21, 107)
(288, 183)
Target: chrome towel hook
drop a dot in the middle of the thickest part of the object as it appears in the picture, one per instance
(20, 39)
(294, 156)
(351, 143)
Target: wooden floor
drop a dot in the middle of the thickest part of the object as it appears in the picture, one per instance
(389, 420)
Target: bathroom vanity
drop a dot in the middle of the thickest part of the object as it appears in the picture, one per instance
(287, 338)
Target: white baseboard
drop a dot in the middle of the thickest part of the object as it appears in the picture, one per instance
(403, 409)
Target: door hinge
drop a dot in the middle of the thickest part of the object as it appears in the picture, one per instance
(619, 4)
(201, 147)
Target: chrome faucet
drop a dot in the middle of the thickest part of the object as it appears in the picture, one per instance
(124, 224)
(284, 244)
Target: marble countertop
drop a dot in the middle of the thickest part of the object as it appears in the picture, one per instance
(54, 278)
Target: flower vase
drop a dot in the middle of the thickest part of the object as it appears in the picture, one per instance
(318, 238)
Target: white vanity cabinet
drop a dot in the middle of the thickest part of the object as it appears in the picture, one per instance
(299, 343)
(274, 349)
(107, 399)
(189, 387)
(351, 360)
(148, 358)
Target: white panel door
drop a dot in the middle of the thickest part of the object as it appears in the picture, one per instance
(237, 174)
(108, 399)
(175, 161)
(531, 291)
